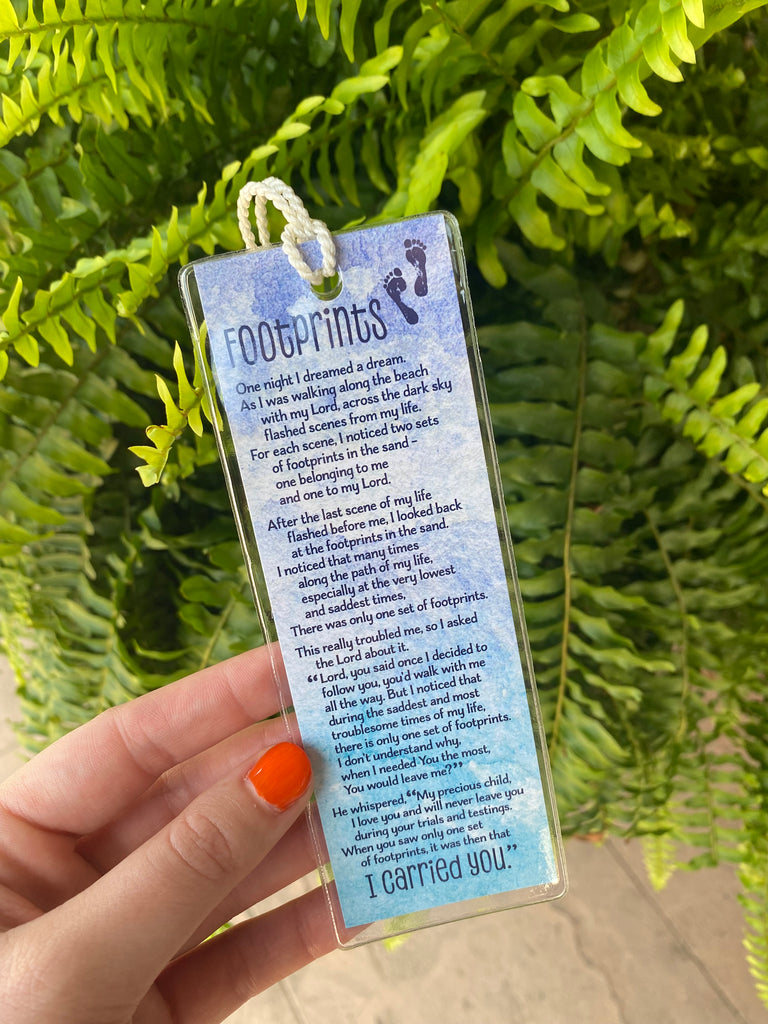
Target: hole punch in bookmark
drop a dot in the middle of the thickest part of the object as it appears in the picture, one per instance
(358, 451)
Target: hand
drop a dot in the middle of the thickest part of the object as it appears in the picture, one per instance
(129, 841)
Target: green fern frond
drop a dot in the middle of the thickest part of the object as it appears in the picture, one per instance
(80, 58)
(179, 416)
(606, 655)
(545, 150)
(754, 848)
(103, 288)
(58, 443)
(733, 427)
(659, 858)
(754, 877)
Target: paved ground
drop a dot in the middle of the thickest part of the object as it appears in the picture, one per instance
(611, 952)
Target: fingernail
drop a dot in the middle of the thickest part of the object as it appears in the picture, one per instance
(281, 775)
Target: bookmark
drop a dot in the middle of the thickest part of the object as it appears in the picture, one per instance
(358, 451)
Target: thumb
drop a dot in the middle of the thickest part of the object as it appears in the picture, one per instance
(118, 935)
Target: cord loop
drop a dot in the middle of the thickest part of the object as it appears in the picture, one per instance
(300, 227)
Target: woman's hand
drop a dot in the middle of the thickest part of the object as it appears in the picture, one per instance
(129, 841)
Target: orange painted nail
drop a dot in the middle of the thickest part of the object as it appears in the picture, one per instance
(281, 775)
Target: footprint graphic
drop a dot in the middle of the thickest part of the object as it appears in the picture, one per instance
(416, 254)
(394, 285)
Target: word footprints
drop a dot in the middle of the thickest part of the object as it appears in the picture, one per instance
(395, 284)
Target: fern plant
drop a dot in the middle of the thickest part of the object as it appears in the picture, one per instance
(606, 161)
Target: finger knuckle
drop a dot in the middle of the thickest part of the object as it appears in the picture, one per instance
(203, 845)
(173, 792)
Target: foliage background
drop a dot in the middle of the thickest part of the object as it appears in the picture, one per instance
(607, 162)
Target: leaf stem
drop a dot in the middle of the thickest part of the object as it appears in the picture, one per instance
(226, 611)
(567, 541)
(684, 640)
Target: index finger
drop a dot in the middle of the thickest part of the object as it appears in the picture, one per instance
(84, 779)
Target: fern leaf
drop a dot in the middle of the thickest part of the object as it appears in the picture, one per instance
(753, 866)
(178, 417)
(659, 858)
(686, 395)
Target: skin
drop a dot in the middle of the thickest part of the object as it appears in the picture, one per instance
(129, 841)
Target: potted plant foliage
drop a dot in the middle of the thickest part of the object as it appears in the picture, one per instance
(607, 163)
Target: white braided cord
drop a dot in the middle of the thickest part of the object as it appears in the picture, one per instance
(300, 227)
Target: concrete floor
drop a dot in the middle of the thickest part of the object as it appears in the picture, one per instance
(612, 952)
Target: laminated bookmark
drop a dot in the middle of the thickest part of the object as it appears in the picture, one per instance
(356, 442)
